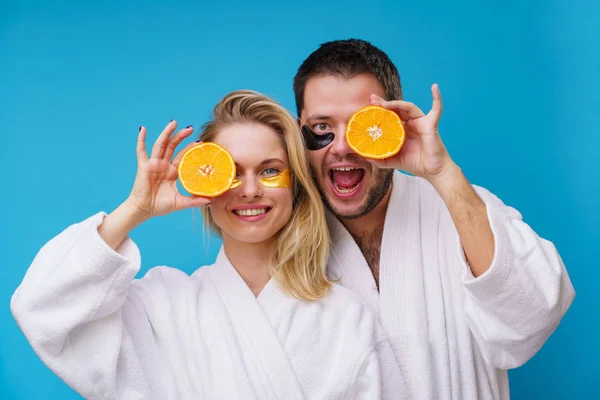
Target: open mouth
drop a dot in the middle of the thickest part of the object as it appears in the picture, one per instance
(346, 181)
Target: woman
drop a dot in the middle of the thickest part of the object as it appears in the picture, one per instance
(263, 322)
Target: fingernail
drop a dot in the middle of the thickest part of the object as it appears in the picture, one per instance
(140, 129)
(171, 120)
(188, 127)
(198, 141)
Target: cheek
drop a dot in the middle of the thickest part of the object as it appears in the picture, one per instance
(284, 200)
(315, 158)
(218, 210)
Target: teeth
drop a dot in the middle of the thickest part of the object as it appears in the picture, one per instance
(344, 190)
(251, 212)
(339, 189)
(344, 169)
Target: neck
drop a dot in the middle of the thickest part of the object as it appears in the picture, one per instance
(369, 223)
(250, 261)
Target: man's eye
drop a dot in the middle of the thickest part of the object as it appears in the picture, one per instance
(321, 128)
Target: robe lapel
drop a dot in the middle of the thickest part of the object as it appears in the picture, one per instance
(270, 299)
(255, 329)
(402, 289)
(348, 265)
(401, 269)
(400, 302)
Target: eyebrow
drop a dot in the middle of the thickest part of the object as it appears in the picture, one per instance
(271, 160)
(318, 117)
(264, 162)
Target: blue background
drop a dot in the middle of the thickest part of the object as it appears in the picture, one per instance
(521, 117)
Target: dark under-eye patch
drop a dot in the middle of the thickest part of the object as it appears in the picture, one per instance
(314, 141)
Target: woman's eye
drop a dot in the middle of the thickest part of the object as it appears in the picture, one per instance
(271, 171)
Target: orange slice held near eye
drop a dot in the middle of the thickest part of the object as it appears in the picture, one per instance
(375, 132)
(206, 170)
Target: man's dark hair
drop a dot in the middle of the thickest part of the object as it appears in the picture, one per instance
(348, 58)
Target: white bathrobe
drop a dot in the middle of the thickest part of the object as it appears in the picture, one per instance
(205, 336)
(455, 335)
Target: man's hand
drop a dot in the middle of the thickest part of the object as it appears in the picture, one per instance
(423, 153)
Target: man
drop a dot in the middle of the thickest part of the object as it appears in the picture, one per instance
(464, 288)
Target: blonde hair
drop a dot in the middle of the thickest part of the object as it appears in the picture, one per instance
(299, 261)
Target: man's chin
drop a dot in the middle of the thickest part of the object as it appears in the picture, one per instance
(344, 208)
(360, 203)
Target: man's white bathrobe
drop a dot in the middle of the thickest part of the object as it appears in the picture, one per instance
(453, 334)
(205, 336)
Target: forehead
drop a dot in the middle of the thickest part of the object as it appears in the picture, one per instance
(337, 96)
(251, 143)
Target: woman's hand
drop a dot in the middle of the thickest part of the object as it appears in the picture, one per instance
(154, 191)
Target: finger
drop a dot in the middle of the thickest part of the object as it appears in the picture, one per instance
(436, 107)
(142, 155)
(404, 109)
(381, 164)
(376, 100)
(192, 201)
(178, 156)
(159, 146)
(379, 101)
(176, 140)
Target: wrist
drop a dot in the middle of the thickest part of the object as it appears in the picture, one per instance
(132, 212)
(449, 177)
(457, 193)
(118, 224)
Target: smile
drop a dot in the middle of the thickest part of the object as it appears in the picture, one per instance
(251, 212)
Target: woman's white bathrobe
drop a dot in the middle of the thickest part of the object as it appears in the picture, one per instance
(453, 334)
(205, 336)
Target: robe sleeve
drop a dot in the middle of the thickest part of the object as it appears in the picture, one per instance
(77, 311)
(379, 376)
(515, 306)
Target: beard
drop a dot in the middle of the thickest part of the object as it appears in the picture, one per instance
(379, 187)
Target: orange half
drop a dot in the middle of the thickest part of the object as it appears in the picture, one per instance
(206, 169)
(375, 132)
